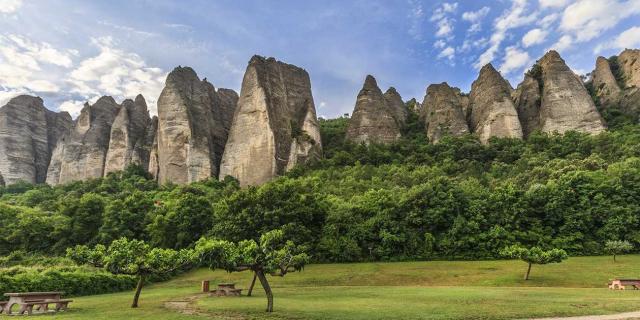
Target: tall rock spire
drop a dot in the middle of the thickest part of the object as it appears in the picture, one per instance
(376, 118)
(493, 113)
(442, 111)
(275, 125)
(191, 128)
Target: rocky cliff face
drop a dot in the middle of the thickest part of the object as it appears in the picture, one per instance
(82, 154)
(443, 112)
(619, 89)
(493, 113)
(396, 105)
(605, 84)
(629, 63)
(566, 104)
(275, 124)
(192, 127)
(28, 134)
(128, 140)
(374, 118)
(527, 98)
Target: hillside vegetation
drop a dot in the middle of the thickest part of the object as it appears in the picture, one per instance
(457, 199)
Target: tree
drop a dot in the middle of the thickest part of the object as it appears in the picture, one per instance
(534, 255)
(616, 247)
(272, 255)
(133, 257)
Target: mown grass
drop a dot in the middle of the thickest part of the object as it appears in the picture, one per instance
(405, 290)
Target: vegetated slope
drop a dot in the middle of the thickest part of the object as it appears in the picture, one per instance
(458, 199)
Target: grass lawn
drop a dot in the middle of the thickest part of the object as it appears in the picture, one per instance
(406, 290)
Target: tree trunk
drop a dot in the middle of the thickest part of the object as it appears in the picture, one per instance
(253, 283)
(138, 290)
(526, 276)
(267, 289)
(614, 257)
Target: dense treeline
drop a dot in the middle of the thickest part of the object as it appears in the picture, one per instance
(458, 199)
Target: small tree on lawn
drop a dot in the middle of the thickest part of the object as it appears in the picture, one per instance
(272, 255)
(616, 247)
(534, 255)
(132, 257)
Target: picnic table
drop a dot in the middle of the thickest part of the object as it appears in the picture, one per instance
(227, 289)
(622, 284)
(28, 300)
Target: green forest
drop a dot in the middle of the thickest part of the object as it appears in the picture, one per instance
(411, 200)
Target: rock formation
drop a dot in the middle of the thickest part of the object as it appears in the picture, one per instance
(629, 64)
(81, 155)
(275, 125)
(605, 85)
(374, 118)
(193, 124)
(1, 180)
(619, 89)
(29, 132)
(527, 98)
(415, 106)
(395, 103)
(152, 134)
(128, 143)
(566, 104)
(493, 113)
(443, 112)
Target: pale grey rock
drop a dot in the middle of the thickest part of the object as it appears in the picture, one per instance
(152, 134)
(629, 62)
(395, 103)
(275, 125)
(605, 84)
(192, 127)
(493, 113)
(443, 112)
(128, 136)
(82, 154)
(527, 98)
(28, 134)
(373, 120)
(566, 104)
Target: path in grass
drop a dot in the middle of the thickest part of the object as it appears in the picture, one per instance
(617, 316)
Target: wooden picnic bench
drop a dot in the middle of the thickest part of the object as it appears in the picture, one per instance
(40, 300)
(623, 284)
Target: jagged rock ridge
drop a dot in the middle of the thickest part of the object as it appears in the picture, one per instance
(493, 113)
(377, 117)
(81, 155)
(443, 112)
(275, 125)
(29, 132)
(193, 124)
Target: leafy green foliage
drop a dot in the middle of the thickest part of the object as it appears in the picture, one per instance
(535, 255)
(616, 247)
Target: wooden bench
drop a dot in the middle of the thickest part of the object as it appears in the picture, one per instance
(43, 305)
(227, 289)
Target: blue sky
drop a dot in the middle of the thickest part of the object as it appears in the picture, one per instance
(72, 51)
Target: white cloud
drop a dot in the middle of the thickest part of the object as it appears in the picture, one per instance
(25, 65)
(564, 43)
(548, 20)
(439, 44)
(445, 24)
(118, 73)
(475, 18)
(448, 53)
(554, 3)
(10, 6)
(587, 19)
(514, 60)
(416, 17)
(533, 37)
(515, 17)
(72, 106)
(629, 38)
(6, 95)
